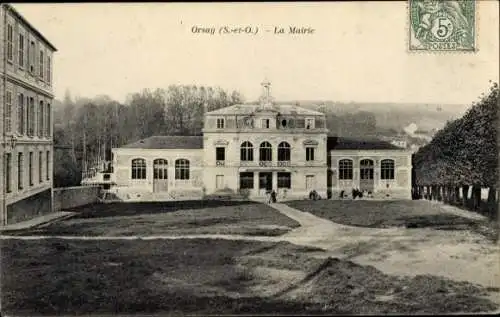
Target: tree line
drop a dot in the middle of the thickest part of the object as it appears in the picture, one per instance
(463, 156)
(87, 128)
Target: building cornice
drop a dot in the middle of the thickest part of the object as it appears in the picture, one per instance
(372, 152)
(28, 85)
(261, 130)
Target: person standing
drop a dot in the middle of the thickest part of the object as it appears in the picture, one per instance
(273, 196)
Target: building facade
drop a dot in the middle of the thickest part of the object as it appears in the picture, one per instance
(26, 125)
(253, 149)
(378, 169)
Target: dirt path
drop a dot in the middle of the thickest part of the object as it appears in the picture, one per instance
(459, 255)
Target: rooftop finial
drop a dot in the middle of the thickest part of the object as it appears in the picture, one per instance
(266, 96)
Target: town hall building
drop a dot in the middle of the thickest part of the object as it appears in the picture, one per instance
(254, 149)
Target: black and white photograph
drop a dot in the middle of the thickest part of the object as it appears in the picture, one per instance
(245, 158)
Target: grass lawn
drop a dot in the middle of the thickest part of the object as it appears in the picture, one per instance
(386, 214)
(171, 218)
(203, 276)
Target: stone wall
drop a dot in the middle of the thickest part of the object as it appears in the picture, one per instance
(30, 207)
(70, 197)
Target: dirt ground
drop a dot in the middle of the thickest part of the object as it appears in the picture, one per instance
(188, 217)
(458, 254)
(210, 276)
(319, 267)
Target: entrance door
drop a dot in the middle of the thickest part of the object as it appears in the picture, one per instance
(310, 182)
(266, 181)
(160, 175)
(366, 179)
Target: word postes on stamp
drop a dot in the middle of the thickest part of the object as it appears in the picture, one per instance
(442, 25)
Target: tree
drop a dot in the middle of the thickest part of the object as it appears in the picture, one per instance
(465, 154)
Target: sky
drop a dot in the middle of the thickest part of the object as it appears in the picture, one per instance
(358, 51)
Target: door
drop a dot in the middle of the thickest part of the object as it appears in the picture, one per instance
(310, 182)
(266, 181)
(366, 179)
(219, 181)
(160, 175)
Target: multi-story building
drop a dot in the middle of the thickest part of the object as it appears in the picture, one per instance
(26, 96)
(256, 149)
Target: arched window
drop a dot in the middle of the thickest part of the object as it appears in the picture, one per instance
(181, 169)
(284, 151)
(138, 168)
(246, 151)
(387, 169)
(345, 169)
(160, 169)
(366, 169)
(265, 151)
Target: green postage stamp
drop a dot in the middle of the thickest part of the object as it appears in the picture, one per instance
(442, 25)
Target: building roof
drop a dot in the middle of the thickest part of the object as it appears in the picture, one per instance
(250, 109)
(340, 143)
(31, 27)
(167, 142)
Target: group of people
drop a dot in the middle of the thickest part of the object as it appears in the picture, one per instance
(356, 193)
(272, 196)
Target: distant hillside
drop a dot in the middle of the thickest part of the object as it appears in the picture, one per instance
(393, 115)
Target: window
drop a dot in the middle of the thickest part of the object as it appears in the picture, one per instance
(31, 117)
(220, 123)
(284, 123)
(309, 154)
(41, 69)
(246, 151)
(20, 115)
(182, 169)
(387, 169)
(30, 168)
(21, 51)
(8, 111)
(345, 169)
(10, 42)
(40, 167)
(266, 151)
(310, 123)
(265, 123)
(284, 151)
(138, 169)
(48, 127)
(40, 119)
(20, 170)
(220, 153)
(49, 70)
(246, 180)
(284, 180)
(219, 181)
(31, 58)
(8, 171)
(160, 169)
(28, 55)
(366, 169)
(47, 162)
